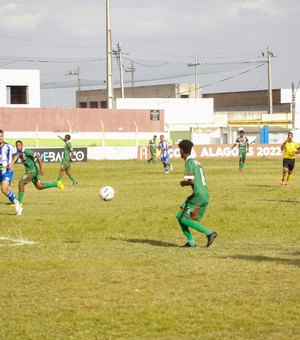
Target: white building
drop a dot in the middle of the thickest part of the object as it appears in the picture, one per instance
(20, 88)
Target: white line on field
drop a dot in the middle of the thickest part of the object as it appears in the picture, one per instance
(15, 241)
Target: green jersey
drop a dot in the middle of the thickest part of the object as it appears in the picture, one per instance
(152, 146)
(242, 142)
(67, 149)
(27, 157)
(194, 171)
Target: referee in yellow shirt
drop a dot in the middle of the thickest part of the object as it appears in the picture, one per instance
(290, 149)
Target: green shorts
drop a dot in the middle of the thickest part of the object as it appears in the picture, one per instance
(65, 165)
(242, 153)
(193, 209)
(30, 176)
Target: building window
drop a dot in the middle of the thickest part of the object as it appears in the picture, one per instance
(93, 105)
(103, 104)
(184, 96)
(17, 94)
(83, 105)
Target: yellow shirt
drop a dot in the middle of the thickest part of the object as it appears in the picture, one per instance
(289, 150)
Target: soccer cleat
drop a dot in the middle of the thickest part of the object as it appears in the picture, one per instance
(286, 185)
(210, 238)
(60, 185)
(187, 245)
(19, 213)
(18, 208)
(75, 183)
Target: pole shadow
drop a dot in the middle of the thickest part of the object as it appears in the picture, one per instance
(262, 258)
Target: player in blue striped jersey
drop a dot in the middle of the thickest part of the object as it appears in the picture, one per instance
(164, 147)
(7, 152)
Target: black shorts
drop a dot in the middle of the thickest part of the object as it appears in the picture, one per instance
(288, 163)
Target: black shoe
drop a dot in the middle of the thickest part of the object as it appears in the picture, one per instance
(75, 183)
(210, 238)
(187, 245)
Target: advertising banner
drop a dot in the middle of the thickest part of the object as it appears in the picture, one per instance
(257, 150)
(56, 154)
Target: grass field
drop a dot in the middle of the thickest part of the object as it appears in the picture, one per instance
(114, 270)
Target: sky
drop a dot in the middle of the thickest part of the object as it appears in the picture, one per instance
(158, 39)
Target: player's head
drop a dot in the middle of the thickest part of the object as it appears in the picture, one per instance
(1, 136)
(19, 145)
(154, 137)
(161, 137)
(185, 147)
(67, 137)
(241, 132)
(290, 135)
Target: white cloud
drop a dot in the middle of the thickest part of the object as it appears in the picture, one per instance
(15, 17)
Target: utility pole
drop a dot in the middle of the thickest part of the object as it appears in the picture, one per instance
(131, 70)
(293, 105)
(195, 64)
(118, 54)
(109, 71)
(270, 95)
(74, 73)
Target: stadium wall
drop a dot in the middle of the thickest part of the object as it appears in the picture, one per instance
(200, 151)
(79, 120)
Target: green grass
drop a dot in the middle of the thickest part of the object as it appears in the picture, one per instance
(47, 142)
(114, 270)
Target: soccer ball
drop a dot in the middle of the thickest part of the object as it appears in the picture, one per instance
(107, 193)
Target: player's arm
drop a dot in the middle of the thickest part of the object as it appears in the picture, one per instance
(13, 162)
(186, 182)
(72, 154)
(283, 145)
(61, 138)
(233, 146)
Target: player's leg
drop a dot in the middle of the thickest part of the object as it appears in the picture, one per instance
(290, 172)
(153, 158)
(193, 213)
(241, 160)
(41, 186)
(27, 178)
(5, 188)
(285, 169)
(191, 242)
(63, 166)
(169, 165)
(69, 173)
(163, 160)
(6, 180)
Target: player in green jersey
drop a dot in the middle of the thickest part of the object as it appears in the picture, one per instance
(242, 143)
(193, 208)
(33, 172)
(65, 166)
(152, 150)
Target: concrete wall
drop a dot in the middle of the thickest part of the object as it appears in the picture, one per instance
(81, 120)
(178, 112)
(243, 98)
(152, 91)
(29, 78)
